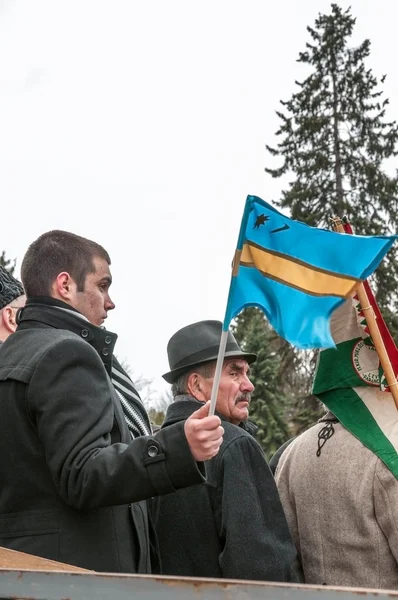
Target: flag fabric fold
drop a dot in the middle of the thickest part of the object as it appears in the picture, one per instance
(298, 275)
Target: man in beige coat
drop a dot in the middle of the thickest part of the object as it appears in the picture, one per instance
(341, 504)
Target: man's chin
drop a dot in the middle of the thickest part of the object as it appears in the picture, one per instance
(243, 412)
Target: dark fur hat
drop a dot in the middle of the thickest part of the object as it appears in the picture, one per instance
(10, 288)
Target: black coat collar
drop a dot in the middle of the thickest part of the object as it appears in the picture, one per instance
(44, 311)
(184, 405)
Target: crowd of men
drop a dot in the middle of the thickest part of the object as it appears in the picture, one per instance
(85, 481)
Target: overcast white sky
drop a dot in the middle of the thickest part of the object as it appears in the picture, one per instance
(142, 125)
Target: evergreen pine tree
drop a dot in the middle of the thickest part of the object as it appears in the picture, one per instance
(334, 140)
(282, 405)
(267, 409)
(7, 263)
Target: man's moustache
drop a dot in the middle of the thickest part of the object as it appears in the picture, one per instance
(243, 398)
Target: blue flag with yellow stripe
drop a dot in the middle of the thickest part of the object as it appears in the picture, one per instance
(298, 275)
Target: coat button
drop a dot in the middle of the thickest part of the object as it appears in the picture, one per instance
(108, 339)
(84, 333)
(153, 451)
(105, 351)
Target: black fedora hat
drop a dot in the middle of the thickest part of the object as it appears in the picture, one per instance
(198, 343)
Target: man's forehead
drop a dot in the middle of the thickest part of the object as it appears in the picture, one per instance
(239, 362)
(101, 268)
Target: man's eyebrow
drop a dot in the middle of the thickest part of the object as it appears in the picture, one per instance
(106, 279)
(237, 367)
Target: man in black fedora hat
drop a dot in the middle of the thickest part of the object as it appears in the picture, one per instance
(233, 526)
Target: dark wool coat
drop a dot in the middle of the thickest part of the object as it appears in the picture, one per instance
(69, 471)
(274, 460)
(233, 526)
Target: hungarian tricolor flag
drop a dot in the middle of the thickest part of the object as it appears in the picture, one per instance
(350, 382)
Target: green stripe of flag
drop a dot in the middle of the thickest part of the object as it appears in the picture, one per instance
(335, 369)
(355, 416)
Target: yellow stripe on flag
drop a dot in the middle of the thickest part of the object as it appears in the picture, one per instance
(297, 274)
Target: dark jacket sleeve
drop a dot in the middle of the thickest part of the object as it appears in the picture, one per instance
(257, 542)
(69, 400)
(274, 460)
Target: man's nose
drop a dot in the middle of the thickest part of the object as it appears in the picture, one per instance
(247, 385)
(109, 305)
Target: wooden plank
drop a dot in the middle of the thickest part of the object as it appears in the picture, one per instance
(40, 585)
(11, 559)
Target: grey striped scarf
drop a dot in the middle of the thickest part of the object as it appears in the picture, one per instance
(133, 408)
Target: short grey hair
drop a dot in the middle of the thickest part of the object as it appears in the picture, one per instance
(180, 386)
(18, 302)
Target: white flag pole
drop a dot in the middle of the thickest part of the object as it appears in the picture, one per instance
(227, 319)
(217, 373)
(223, 343)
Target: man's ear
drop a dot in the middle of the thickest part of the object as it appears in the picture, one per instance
(195, 386)
(63, 286)
(7, 317)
